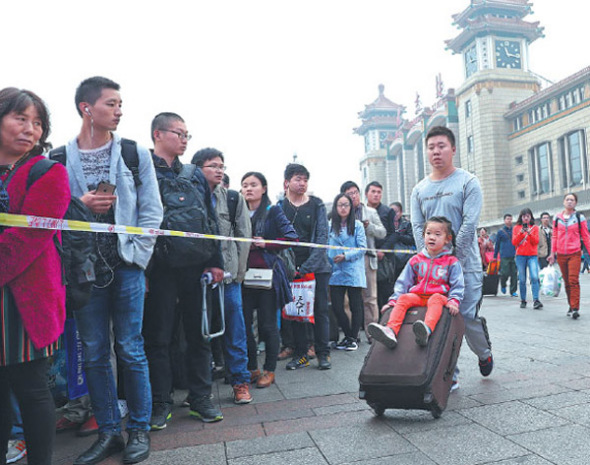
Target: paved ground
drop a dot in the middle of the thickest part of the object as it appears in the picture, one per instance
(534, 409)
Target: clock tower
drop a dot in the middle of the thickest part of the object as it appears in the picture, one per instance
(494, 43)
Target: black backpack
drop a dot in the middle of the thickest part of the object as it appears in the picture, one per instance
(184, 210)
(76, 249)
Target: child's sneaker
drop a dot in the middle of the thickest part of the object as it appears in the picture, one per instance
(351, 344)
(454, 385)
(383, 334)
(422, 333)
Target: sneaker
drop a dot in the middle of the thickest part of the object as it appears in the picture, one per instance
(203, 409)
(537, 305)
(523, 304)
(422, 333)
(486, 366)
(123, 408)
(286, 353)
(254, 375)
(63, 424)
(503, 289)
(266, 379)
(298, 362)
(161, 413)
(341, 345)
(242, 393)
(570, 311)
(383, 334)
(311, 352)
(351, 344)
(575, 314)
(88, 427)
(17, 449)
(514, 294)
(455, 385)
(324, 362)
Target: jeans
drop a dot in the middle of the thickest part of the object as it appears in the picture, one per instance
(321, 326)
(532, 263)
(122, 302)
(167, 287)
(235, 340)
(28, 381)
(17, 421)
(265, 303)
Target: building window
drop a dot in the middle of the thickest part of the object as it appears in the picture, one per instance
(519, 160)
(542, 177)
(521, 194)
(518, 123)
(470, 145)
(419, 150)
(467, 108)
(573, 159)
(520, 177)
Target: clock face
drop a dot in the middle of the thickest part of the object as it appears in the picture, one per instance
(382, 137)
(470, 61)
(508, 54)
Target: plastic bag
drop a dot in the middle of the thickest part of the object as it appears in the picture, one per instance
(551, 281)
(301, 309)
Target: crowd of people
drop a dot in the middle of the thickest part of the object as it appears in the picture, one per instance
(146, 294)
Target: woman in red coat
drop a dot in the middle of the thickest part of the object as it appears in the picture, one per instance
(525, 238)
(32, 294)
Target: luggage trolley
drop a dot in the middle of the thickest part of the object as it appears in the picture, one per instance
(206, 280)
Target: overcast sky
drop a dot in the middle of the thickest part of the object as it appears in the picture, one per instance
(259, 80)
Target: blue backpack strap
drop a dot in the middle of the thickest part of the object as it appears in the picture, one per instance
(131, 158)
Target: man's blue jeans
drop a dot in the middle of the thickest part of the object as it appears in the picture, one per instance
(121, 302)
(236, 344)
(532, 263)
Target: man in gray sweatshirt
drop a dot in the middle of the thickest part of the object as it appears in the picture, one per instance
(455, 193)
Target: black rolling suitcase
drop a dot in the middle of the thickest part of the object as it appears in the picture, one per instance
(490, 284)
(410, 376)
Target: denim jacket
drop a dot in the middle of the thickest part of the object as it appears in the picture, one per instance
(139, 206)
(350, 272)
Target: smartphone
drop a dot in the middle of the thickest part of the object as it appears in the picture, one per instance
(105, 188)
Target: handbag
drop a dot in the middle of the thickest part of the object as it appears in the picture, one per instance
(301, 309)
(386, 270)
(258, 278)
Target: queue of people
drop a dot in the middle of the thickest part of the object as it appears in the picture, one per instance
(146, 288)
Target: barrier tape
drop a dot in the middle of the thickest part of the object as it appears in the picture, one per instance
(39, 222)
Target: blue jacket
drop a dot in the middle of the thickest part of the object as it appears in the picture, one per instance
(135, 206)
(350, 272)
(504, 244)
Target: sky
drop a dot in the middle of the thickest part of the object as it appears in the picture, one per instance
(260, 80)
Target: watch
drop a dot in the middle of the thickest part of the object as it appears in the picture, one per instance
(508, 54)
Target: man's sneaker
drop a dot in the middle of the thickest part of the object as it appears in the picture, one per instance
(486, 366)
(575, 314)
(503, 289)
(454, 385)
(203, 409)
(286, 353)
(161, 413)
(242, 393)
(514, 294)
(17, 449)
(523, 304)
(324, 362)
(351, 344)
(341, 345)
(422, 333)
(298, 362)
(383, 334)
(63, 424)
(537, 305)
(88, 427)
(570, 311)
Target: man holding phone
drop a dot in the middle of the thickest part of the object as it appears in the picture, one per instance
(95, 164)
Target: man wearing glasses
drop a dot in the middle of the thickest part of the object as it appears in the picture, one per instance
(374, 229)
(174, 287)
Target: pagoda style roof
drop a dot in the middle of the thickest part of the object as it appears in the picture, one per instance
(382, 113)
(511, 8)
(549, 92)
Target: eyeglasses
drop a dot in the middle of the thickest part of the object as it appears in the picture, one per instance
(343, 205)
(181, 135)
(216, 167)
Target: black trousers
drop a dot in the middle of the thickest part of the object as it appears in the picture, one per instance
(265, 303)
(173, 290)
(355, 299)
(28, 381)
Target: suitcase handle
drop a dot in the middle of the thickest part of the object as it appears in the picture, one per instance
(205, 327)
(452, 360)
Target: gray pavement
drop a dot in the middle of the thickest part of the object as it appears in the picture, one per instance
(534, 409)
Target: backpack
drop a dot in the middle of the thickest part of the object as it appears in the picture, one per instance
(76, 249)
(232, 206)
(184, 210)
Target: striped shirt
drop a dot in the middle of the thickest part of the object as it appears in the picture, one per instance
(15, 344)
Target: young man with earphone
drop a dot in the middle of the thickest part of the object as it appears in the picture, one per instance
(95, 157)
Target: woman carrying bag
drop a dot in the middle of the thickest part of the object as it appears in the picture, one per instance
(268, 222)
(525, 237)
(569, 230)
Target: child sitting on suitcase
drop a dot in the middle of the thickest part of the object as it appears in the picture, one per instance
(433, 278)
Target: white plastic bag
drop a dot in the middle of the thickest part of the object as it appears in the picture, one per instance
(551, 281)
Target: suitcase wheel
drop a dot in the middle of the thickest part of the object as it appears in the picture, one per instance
(377, 408)
(435, 411)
